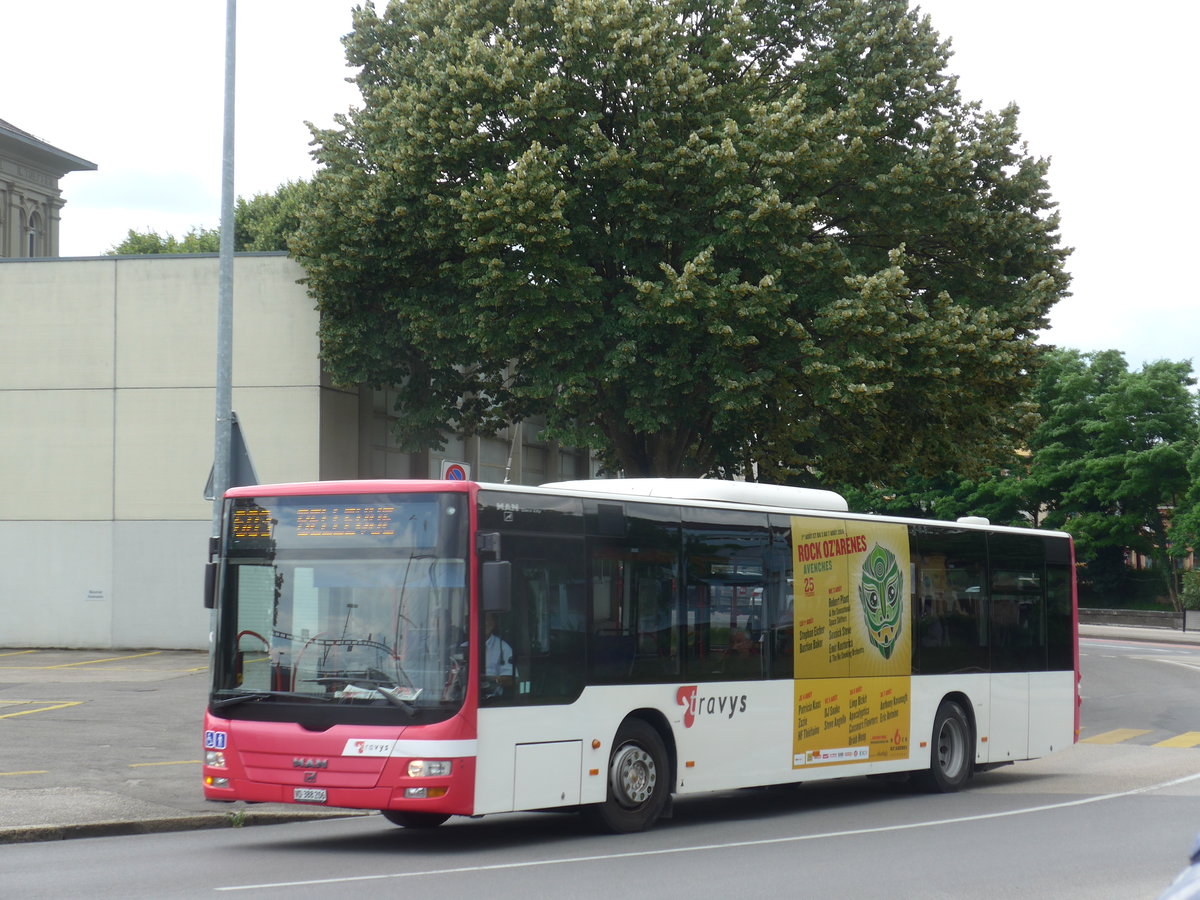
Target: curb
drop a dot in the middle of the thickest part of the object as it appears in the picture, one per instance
(36, 833)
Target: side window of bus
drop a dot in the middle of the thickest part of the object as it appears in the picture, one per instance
(542, 634)
(950, 577)
(1060, 613)
(1018, 608)
(536, 647)
(725, 594)
(633, 633)
(781, 596)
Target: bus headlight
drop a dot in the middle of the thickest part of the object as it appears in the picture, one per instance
(214, 758)
(428, 768)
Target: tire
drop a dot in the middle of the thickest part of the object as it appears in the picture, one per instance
(414, 819)
(950, 756)
(638, 781)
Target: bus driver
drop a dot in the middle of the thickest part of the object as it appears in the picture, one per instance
(497, 660)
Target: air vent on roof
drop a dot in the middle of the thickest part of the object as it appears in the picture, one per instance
(974, 520)
(713, 489)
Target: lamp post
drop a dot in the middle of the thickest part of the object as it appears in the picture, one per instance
(224, 389)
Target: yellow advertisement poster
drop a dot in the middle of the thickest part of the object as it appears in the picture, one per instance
(853, 656)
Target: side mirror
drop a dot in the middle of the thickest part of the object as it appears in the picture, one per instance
(495, 585)
(210, 585)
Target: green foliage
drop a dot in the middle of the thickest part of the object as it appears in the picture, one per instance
(1139, 428)
(1115, 461)
(268, 221)
(1190, 594)
(1185, 523)
(765, 238)
(197, 240)
(264, 222)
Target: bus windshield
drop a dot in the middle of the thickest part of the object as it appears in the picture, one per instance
(360, 602)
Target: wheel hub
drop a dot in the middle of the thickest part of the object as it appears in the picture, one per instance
(634, 776)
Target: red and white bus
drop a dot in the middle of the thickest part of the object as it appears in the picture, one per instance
(440, 648)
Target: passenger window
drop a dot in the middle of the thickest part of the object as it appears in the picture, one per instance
(634, 576)
(726, 595)
(952, 593)
(1018, 606)
(780, 597)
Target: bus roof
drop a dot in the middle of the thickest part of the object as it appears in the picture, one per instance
(713, 489)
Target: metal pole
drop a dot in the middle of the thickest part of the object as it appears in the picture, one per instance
(224, 393)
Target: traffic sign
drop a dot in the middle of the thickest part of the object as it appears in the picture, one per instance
(455, 471)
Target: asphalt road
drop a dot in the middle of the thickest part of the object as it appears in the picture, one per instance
(1060, 827)
(106, 743)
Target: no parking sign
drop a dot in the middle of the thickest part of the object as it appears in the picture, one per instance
(455, 471)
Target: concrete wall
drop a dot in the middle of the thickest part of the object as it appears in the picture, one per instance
(107, 372)
(107, 381)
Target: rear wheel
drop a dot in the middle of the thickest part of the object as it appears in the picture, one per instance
(950, 757)
(638, 787)
(414, 819)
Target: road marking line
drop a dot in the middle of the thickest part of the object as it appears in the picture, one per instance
(92, 662)
(1187, 739)
(28, 712)
(30, 772)
(708, 848)
(1174, 662)
(17, 652)
(176, 762)
(1115, 736)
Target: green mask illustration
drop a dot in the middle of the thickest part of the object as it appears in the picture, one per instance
(880, 594)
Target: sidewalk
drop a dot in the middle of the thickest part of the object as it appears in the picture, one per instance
(1138, 633)
(99, 743)
(109, 742)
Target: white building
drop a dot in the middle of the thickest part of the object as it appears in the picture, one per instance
(30, 199)
(107, 374)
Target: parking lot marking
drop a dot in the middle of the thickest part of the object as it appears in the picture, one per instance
(1187, 739)
(1115, 736)
(92, 662)
(56, 704)
(30, 772)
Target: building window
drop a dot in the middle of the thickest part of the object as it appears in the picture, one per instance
(34, 234)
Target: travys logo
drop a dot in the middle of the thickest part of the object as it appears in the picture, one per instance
(696, 704)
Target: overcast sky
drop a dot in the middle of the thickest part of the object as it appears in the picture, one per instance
(1106, 91)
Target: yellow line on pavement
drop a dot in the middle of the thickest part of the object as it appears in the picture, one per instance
(1187, 739)
(92, 662)
(28, 712)
(1115, 736)
(17, 652)
(30, 772)
(177, 762)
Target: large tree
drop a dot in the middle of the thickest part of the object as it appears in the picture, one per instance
(765, 237)
(1139, 431)
(1114, 459)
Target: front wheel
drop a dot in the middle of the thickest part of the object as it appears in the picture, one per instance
(414, 819)
(638, 787)
(950, 757)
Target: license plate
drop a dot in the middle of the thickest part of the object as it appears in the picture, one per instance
(309, 795)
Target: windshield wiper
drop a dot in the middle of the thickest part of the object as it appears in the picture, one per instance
(255, 696)
(389, 693)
